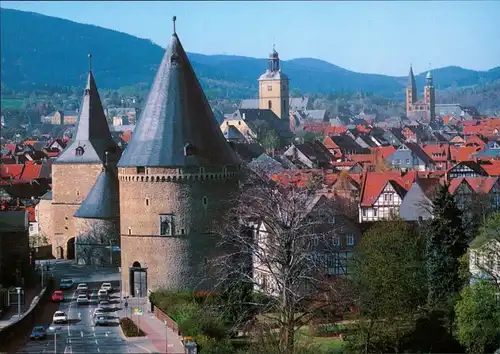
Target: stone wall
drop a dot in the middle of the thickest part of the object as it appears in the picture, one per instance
(91, 233)
(179, 260)
(70, 185)
(10, 335)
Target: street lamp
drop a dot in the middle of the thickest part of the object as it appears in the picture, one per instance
(18, 301)
(137, 292)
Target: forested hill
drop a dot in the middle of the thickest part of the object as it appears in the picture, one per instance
(41, 50)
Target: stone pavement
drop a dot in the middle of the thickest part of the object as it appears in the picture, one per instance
(155, 330)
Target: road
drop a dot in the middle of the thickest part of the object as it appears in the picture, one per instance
(80, 335)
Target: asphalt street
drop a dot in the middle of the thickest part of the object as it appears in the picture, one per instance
(80, 335)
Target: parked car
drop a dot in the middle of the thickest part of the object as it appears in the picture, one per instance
(107, 286)
(82, 299)
(65, 284)
(38, 332)
(60, 317)
(57, 296)
(102, 321)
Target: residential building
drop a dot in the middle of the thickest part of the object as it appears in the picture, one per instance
(410, 156)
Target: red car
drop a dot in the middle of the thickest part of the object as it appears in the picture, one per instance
(57, 296)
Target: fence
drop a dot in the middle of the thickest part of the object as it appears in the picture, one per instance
(162, 316)
(11, 333)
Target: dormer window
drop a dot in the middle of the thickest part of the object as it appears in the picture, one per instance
(188, 149)
(175, 59)
(79, 151)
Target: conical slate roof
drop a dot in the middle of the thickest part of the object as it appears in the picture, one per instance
(102, 202)
(92, 137)
(177, 127)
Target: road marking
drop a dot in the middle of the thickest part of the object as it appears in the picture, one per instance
(96, 342)
(98, 350)
(94, 334)
(79, 315)
(81, 333)
(140, 346)
(107, 334)
(69, 340)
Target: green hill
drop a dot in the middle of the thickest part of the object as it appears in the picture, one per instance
(39, 50)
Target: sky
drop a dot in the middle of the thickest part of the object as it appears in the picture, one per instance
(368, 37)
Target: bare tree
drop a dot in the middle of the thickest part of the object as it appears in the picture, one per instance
(94, 243)
(282, 243)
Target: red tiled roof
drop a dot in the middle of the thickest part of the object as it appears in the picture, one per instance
(383, 151)
(374, 183)
(126, 136)
(493, 169)
(335, 130)
(329, 143)
(463, 153)
(481, 184)
(11, 171)
(31, 171)
(437, 152)
(362, 157)
(474, 139)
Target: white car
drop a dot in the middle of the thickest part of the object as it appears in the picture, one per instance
(104, 304)
(82, 300)
(82, 287)
(99, 312)
(60, 317)
(107, 286)
(102, 294)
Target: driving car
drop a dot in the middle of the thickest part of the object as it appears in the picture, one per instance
(99, 312)
(60, 317)
(82, 288)
(38, 332)
(107, 286)
(102, 294)
(82, 299)
(57, 296)
(66, 284)
(104, 304)
(102, 321)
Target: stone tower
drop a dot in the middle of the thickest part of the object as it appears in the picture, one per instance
(430, 98)
(174, 177)
(75, 171)
(98, 219)
(411, 93)
(274, 89)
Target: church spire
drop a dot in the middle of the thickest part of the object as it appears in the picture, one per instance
(274, 60)
(412, 86)
(91, 138)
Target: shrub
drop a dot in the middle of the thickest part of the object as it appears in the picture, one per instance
(329, 330)
(130, 329)
(207, 345)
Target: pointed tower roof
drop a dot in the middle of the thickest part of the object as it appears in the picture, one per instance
(177, 126)
(102, 202)
(92, 137)
(411, 79)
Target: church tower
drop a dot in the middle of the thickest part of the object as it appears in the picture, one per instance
(274, 89)
(411, 93)
(175, 176)
(430, 97)
(75, 171)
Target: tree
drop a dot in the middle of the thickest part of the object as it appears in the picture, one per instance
(271, 141)
(445, 244)
(283, 234)
(95, 240)
(478, 317)
(389, 274)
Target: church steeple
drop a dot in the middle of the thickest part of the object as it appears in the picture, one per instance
(92, 137)
(273, 61)
(412, 85)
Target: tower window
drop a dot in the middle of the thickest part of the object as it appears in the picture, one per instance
(202, 170)
(77, 193)
(183, 231)
(205, 201)
(269, 87)
(269, 104)
(79, 151)
(141, 170)
(188, 149)
(166, 224)
(147, 201)
(129, 231)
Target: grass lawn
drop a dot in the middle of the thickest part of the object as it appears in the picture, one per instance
(13, 103)
(328, 345)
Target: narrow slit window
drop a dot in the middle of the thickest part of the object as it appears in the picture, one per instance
(147, 201)
(130, 231)
(183, 231)
(205, 201)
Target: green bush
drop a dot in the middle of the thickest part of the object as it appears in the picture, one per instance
(130, 329)
(207, 345)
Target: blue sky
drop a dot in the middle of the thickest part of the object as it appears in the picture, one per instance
(374, 37)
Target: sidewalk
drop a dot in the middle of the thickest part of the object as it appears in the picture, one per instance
(155, 330)
(10, 314)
